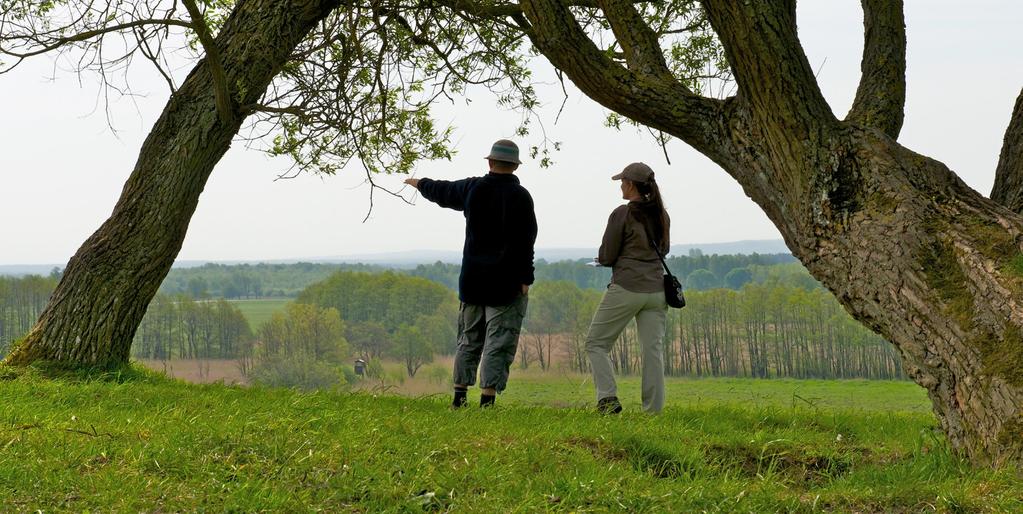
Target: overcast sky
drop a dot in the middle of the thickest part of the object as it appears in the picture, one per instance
(62, 168)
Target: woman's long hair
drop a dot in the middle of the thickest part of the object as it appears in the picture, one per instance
(650, 211)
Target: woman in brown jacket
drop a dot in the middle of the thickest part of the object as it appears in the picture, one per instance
(636, 291)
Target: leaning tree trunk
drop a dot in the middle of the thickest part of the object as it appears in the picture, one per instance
(902, 242)
(93, 314)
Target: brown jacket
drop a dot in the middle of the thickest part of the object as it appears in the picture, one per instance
(626, 249)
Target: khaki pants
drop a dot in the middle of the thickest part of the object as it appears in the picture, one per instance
(616, 310)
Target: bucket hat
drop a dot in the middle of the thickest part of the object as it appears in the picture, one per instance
(504, 150)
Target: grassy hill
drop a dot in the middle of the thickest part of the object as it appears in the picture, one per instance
(136, 441)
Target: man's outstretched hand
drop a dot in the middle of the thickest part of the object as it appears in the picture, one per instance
(414, 182)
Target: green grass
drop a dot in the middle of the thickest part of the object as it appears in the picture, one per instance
(259, 311)
(139, 442)
(869, 395)
(1015, 266)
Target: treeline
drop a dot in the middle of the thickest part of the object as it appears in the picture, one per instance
(393, 315)
(390, 315)
(232, 281)
(698, 272)
(779, 323)
(179, 327)
(763, 330)
(310, 344)
(22, 299)
(252, 280)
(302, 347)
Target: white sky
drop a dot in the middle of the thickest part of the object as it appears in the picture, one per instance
(62, 169)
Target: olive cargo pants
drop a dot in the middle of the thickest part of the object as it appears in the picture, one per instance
(487, 339)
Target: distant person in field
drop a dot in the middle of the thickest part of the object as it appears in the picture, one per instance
(497, 268)
(635, 233)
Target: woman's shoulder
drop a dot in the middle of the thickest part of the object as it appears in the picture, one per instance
(621, 210)
(618, 215)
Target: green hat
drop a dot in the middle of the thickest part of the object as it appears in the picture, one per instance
(504, 150)
(636, 172)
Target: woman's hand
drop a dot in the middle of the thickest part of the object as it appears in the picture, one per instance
(414, 182)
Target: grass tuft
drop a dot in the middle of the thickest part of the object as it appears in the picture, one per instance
(1015, 266)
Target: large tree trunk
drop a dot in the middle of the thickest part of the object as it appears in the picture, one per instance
(922, 259)
(101, 299)
(902, 242)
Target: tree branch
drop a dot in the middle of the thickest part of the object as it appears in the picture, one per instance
(776, 82)
(881, 95)
(220, 88)
(668, 106)
(1008, 188)
(511, 9)
(639, 42)
(89, 34)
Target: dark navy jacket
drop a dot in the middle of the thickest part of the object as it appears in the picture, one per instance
(500, 229)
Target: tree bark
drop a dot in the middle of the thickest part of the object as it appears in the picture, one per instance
(1008, 188)
(101, 299)
(881, 96)
(906, 247)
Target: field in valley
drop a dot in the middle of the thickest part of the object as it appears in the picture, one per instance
(259, 311)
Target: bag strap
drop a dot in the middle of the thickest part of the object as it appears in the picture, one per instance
(653, 244)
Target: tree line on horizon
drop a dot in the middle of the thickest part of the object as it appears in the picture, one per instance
(310, 343)
(698, 271)
(772, 329)
(262, 280)
(778, 322)
(266, 280)
(22, 299)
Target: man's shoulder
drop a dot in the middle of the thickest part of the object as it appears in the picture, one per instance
(523, 194)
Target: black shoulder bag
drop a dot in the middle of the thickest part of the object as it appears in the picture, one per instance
(672, 287)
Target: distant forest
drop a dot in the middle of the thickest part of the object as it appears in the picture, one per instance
(22, 299)
(699, 273)
(233, 281)
(749, 315)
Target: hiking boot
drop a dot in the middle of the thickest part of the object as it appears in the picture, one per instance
(460, 400)
(609, 405)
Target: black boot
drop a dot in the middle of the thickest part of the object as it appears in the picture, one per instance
(487, 400)
(460, 399)
(609, 405)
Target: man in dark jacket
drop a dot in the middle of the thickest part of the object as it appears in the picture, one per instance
(497, 268)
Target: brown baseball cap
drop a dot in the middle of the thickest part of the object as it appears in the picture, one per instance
(636, 172)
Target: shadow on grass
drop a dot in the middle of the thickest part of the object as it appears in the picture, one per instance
(654, 457)
(117, 374)
(793, 466)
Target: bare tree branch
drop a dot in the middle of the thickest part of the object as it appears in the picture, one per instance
(1008, 188)
(58, 42)
(881, 95)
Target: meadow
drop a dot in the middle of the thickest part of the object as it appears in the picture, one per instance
(138, 441)
(259, 311)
